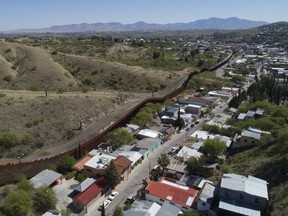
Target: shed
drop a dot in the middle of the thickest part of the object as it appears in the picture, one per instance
(45, 178)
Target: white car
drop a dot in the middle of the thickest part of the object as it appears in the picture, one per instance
(113, 195)
(106, 203)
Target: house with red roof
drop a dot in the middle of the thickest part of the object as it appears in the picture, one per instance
(123, 166)
(92, 193)
(166, 191)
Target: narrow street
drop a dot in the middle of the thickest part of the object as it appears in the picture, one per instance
(141, 172)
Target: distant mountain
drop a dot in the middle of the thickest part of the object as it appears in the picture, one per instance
(231, 23)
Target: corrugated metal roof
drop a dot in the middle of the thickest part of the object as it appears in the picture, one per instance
(239, 207)
(149, 133)
(207, 193)
(168, 210)
(250, 185)
(241, 116)
(84, 185)
(251, 134)
(45, 178)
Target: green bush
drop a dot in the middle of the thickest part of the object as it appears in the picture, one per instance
(8, 78)
(8, 50)
(34, 122)
(9, 139)
(27, 139)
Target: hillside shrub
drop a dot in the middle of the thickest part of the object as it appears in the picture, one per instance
(9, 139)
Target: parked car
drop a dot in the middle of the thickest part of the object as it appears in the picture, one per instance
(130, 199)
(113, 195)
(106, 203)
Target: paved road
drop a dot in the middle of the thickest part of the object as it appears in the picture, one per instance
(141, 172)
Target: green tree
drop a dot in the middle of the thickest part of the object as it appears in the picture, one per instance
(237, 79)
(112, 175)
(27, 139)
(214, 148)
(118, 212)
(195, 165)
(119, 137)
(66, 163)
(45, 199)
(143, 118)
(179, 122)
(9, 139)
(163, 161)
(24, 183)
(17, 203)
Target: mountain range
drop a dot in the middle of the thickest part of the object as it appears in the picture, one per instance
(231, 23)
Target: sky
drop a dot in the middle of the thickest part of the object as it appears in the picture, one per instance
(29, 14)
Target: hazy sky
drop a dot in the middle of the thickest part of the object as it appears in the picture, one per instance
(19, 14)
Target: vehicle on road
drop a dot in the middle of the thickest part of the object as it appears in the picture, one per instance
(106, 203)
(113, 195)
(174, 149)
(130, 199)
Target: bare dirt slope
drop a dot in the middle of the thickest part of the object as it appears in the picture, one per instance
(46, 125)
(31, 68)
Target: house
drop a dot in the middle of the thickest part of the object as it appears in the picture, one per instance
(133, 156)
(202, 135)
(132, 128)
(172, 112)
(145, 207)
(241, 116)
(168, 120)
(221, 94)
(45, 178)
(225, 139)
(246, 139)
(185, 153)
(165, 191)
(196, 181)
(206, 197)
(168, 132)
(250, 114)
(148, 133)
(123, 166)
(242, 195)
(193, 109)
(92, 193)
(97, 165)
(84, 185)
(142, 208)
(147, 145)
(198, 101)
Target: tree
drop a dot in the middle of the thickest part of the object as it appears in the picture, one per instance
(45, 199)
(17, 203)
(9, 139)
(66, 163)
(195, 165)
(214, 148)
(112, 175)
(142, 118)
(119, 137)
(237, 79)
(23, 183)
(163, 161)
(179, 122)
(118, 212)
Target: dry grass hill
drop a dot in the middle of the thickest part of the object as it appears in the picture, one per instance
(80, 88)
